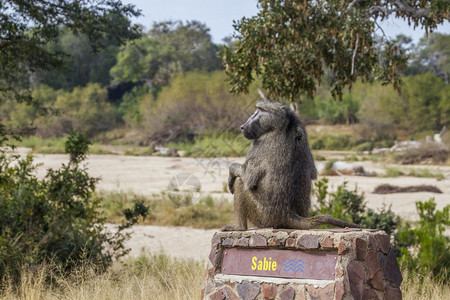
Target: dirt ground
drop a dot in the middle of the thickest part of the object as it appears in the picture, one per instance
(148, 175)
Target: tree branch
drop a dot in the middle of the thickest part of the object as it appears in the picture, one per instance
(354, 55)
(3, 44)
(411, 11)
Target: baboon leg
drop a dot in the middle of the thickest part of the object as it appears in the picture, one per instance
(240, 207)
(235, 171)
(298, 222)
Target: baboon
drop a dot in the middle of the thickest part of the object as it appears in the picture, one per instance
(272, 188)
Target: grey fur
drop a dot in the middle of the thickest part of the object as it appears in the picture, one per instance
(272, 188)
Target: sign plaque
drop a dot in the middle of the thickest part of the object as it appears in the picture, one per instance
(279, 263)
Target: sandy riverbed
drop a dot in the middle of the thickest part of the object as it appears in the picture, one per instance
(148, 175)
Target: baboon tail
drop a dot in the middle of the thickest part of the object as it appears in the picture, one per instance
(313, 222)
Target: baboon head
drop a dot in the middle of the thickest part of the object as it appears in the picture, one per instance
(269, 115)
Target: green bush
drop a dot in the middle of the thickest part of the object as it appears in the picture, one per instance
(54, 219)
(424, 247)
(349, 205)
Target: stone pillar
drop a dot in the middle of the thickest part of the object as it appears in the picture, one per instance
(302, 264)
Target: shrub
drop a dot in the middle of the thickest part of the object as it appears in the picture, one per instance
(424, 247)
(54, 219)
(349, 205)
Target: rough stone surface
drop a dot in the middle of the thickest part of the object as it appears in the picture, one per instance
(327, 243)
(342, 248)
(248, 290)
(372, 263)
(224, 293)
(373, 245)
(290, 243)
(213, 254)
(391, 270)
(211, 272)
(318, 293)
(269, 291)
(393, 293)
(243, 242)
(377, 281)
(383, 242)
(361, 248)
(227, 242)
(308, 242)
(287, 294)
(355, 272)
(215, 239)
(274, 242)
(370, 294)
(257, 241)
(339, 290)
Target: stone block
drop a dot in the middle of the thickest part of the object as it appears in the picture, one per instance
(308, 242)
(269, 291)
(360, 247)
(257, 241)
(391, 270)
(248, 290)
(287, 294)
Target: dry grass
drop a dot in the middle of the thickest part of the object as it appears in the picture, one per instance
(417, 287)
(159, 277)
(146, 277)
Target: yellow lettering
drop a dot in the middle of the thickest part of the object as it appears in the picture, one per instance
(266, 264)
(263, 264)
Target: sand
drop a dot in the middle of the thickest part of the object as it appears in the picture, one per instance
(149, 175)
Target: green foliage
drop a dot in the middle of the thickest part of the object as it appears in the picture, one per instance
(424, 247)
(290, 44)
(54, 219)
(331, 111)
(169, 47)
(349, 205)
(81, 65)
(333, 141)
(432, 55)
(85, 109)
(27, 28)
(227, 144)
(194, 103)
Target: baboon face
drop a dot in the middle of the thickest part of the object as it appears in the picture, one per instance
(265, 119)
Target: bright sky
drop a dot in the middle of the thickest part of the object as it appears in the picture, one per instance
(218, 15)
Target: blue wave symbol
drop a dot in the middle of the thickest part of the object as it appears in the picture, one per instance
(293, 265)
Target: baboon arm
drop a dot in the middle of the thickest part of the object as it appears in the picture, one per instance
(252, 178)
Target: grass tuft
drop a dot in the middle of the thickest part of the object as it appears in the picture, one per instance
(170, 209)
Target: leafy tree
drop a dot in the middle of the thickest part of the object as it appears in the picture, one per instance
(433, 55)
(168, 48)
(290, 44)
(82, 65)
(27, 27)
